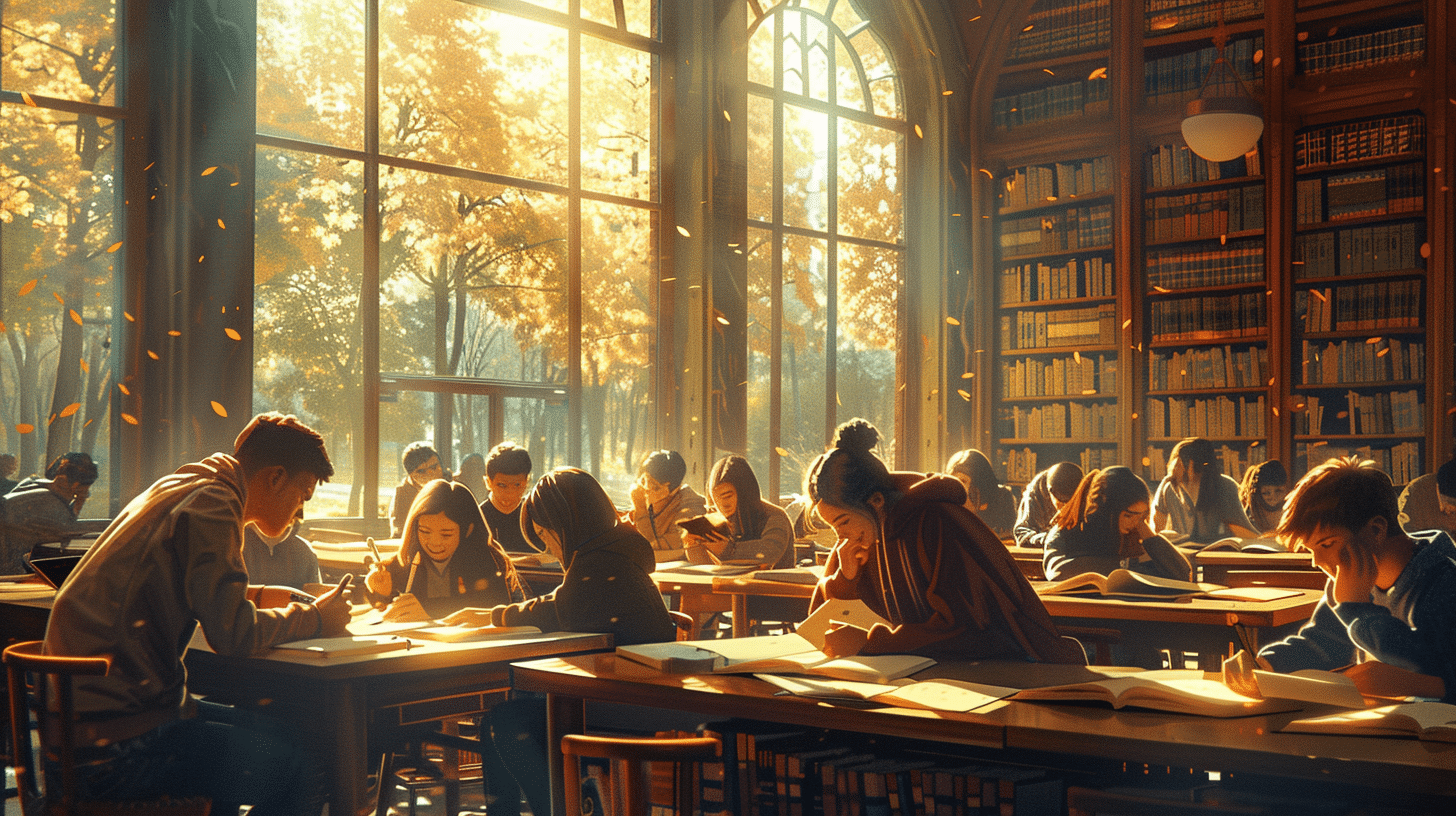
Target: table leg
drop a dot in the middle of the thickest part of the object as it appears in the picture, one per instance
(564, 715)
(741, 627)
(341, 733)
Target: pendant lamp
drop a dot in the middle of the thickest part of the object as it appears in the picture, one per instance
(1224, 121)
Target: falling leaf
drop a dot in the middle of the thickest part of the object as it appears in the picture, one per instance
(76, 317)
(781, 451)
(684, 232)
(209, 171)
(1147, 462)
(987, 172)
(129, 419)
(968, 375)
(70, 409)
(174, 333)
(1049, 71)
(85, 366)
(233, 333)
(1077, 356)
(114, 247)
(723, 320)
(2, 325)
(200, 257)
(726, 116)
(128, 317)
(153, 355)
(59, 299)
(965, 395)
(919, 134)
(1370, 341)
(1098, 73)
(123, 389)
(946, 93)
(1127, 322)
(24, 428)
(221, 224)
(952, 321)
(218, 409)
(1087, 392)
(27, 287)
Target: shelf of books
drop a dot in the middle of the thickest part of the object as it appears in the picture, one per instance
(1339, 48)
(1056, 372)
(1207, 300)
(1056, 28)
(1359, 285)
(1166, 17)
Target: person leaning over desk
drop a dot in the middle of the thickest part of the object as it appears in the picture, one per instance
(1390, 593)
(607, 587)
(446, 560)
(915, 555)
(42, 510)
(660, 500)
(170, 561)
(1104, 526)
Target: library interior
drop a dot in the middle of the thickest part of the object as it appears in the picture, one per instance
(1049, 231)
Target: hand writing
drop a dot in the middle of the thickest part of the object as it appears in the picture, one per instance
(333, 608)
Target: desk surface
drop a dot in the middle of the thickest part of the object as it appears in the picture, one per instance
(1245, 744)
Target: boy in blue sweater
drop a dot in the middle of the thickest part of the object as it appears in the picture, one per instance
(1390, 593)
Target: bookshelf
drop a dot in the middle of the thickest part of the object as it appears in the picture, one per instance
(1295, 303)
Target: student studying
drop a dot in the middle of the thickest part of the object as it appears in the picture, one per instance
(447, 560)
(1042, 500)
(170, 561)
(660, 500)
(915, 555)
(1196, 499)
(757, 530)
(1391, 593)
(1104, 527)
(994, 502)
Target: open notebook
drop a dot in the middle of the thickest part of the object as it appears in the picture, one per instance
(774, 654)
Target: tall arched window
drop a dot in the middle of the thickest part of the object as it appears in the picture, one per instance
(825, 241)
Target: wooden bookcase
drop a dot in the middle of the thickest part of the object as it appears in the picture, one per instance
(1240, 302)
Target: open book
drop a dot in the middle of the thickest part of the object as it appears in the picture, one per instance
(1426, 720)
(933, 695)
(1182, 691)
(1125, 583)
(792, 575)
(732, 567)
(446, 633)
(1236, 544)
(343, 646)
(706, 525)
(773, 654)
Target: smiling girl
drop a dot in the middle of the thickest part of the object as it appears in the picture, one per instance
(447, 559)
(913, 553)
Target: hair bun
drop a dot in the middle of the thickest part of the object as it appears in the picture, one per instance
(856, 436)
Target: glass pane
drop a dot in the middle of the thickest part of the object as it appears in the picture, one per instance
(818, 46)
(472, 278)
(884, 85)
(848, 80)
(867, 287)
(760, 354)
(760, 158)
(42, 43)
(540, 427)
(619, 313)
(761, 51)
(793, 50)
(617, 142)
(806, 168)
(845, 17)
(57, 227)
(869, 197)
(311, 70)
(307, 335)
(805, 328)
(637, 15)
(409, 418)
(464, 86)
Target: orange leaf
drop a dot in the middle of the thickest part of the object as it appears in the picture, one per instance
(24, 428)
(153, 355)
(123, 389)
(128, 317)
(114, 247)
(70, 409)
(964, 394)
(209, 171)
(129, 419)
(76, 317)
(28, 100)
(218, 409)
(781, 452)
(221, 224)
(85, 366)
(27, 287)
(233, 333)
(174, 333)
(59, 299)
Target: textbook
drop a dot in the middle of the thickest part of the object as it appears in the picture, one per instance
(707, 524)
(1236, 544)
(343, 646)
(1126, 583)
(1181, 691)
(932, 695)
(1425, 720)
(1257, 593)
(835, 610)
(734, 567)
(789, 654)
(446, 633)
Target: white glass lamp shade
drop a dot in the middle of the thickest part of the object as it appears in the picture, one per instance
(1222, 128)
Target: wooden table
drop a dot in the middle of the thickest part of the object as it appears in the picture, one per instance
(335, 702)
(1217, 565)
(337, 559)
(1395, 769)
(739, 588)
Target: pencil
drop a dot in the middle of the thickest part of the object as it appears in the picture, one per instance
(373, 549)
(414, 565)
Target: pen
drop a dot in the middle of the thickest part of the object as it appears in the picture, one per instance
(373, 549)
(414, 565)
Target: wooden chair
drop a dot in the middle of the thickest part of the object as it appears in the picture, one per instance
(630, 753)
(34, 678)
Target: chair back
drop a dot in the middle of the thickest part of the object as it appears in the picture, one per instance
(630, 753)
(41, 687)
